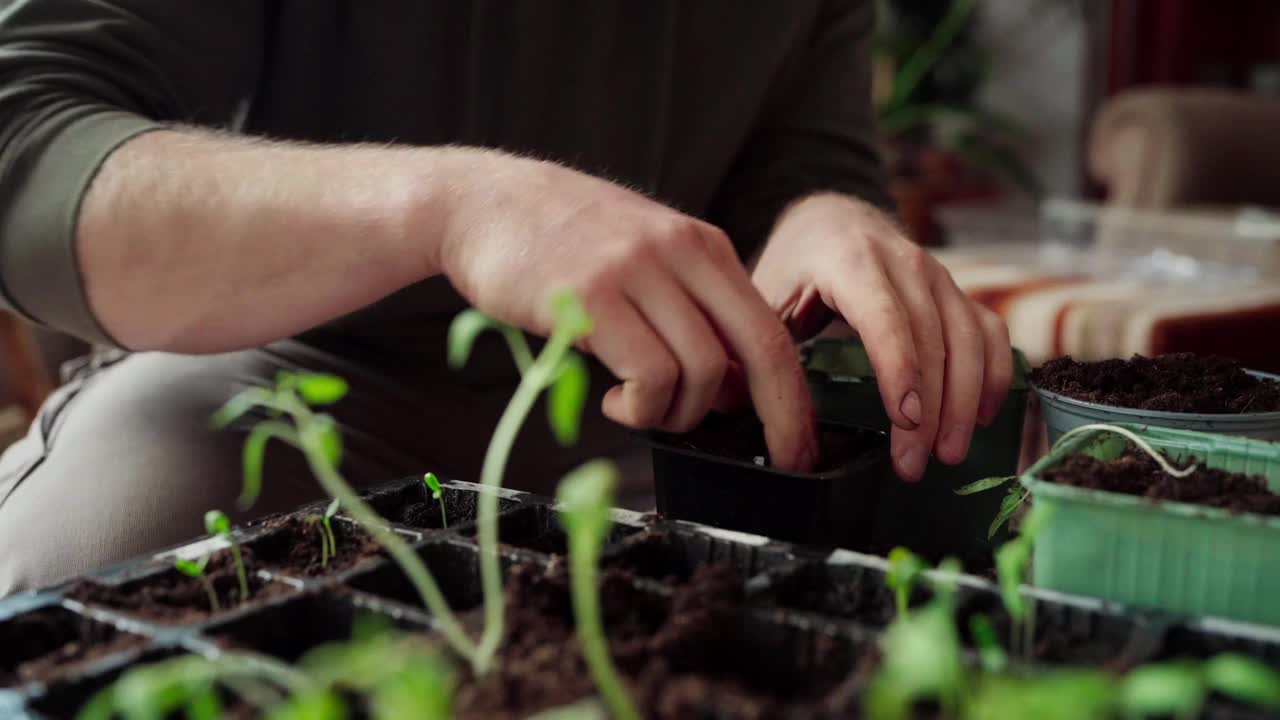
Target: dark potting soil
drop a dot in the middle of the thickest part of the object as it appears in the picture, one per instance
(671, 652)
(293, 547)
(1135, 472)
(1180, 382)
(741, 438)
(44, 644)
(866, 599)
(173, 598)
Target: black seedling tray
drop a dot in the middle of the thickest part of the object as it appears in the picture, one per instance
(803, 634)
(834, 508)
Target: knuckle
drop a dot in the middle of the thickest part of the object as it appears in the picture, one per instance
(676, 236)
(917, 260)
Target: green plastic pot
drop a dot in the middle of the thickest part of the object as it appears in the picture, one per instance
(927, 516)
(1166, 555)
(1062, 413)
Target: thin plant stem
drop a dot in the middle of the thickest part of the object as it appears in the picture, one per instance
(324, 545)
(397, 548)
(329, 538)
(540, 374)
(444, 521)
(595, 645)
(240, 574)
(1136, 440)
(213, 594)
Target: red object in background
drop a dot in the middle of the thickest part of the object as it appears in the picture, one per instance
(940, 178)
(1190, 42)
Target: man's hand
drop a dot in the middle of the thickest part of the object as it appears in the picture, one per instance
(941, 360)
(672, 305)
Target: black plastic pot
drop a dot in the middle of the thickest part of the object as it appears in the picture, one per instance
(834, 508)
(926, 516)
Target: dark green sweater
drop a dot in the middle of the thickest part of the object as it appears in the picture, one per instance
(726, 109)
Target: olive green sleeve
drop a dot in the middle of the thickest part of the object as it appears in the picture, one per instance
(78, 79)
(817, 134)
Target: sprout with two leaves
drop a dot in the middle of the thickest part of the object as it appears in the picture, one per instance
(328, 541)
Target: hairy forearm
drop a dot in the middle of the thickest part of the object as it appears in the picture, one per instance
(198, 242)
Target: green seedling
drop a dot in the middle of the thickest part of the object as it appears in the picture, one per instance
(190, 684)
(1012, 562)
(922, 657)
(1017, 494)
(294, 422)
(218, 524)
(195, 569)
(328, 541)
(904, 569)
(990, 654)
(433, 486)
(586, 496)
(558, 370)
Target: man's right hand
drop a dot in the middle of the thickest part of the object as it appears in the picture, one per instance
(672, 305)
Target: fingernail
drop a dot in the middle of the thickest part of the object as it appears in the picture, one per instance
(911, 463)
(912, 409)
(955, 443)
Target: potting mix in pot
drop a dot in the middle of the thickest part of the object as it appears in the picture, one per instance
(430, 599)
(1177, 382)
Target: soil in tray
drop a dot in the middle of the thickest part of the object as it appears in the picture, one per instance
(44, 644)
(173, 598)
(864, 599)
(1136, 473)
(741, 438)
(680, 655)
(1180, 382)
(292, 547)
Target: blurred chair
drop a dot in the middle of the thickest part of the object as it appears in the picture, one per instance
(1166, 147)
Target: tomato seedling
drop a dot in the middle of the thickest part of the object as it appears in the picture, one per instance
(195, 569)
(217, 523)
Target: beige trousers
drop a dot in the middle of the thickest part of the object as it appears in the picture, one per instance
(121, 460)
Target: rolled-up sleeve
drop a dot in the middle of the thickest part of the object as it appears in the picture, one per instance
(818, 133)
(78, 78)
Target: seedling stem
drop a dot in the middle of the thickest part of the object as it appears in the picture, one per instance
(217, 523)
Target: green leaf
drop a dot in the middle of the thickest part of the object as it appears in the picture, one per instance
(1174, 689)
(216, 522)
(567, 398)
(586, 496)
(570, 316)
(332, 509)
(464, 330)
(192, 568)
(1011, 566)
(204, 705)
(433, 484)
(921, 661)
(1034, 522)
(1244, 679)
(319, 705)
(983, 484)
(990, 654)
(1008, 506)
(904, 568)
(321, 388)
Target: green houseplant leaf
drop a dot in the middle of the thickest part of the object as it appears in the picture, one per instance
(321, 388)
(1174, 689)
(1243, 679)
(567, 397)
